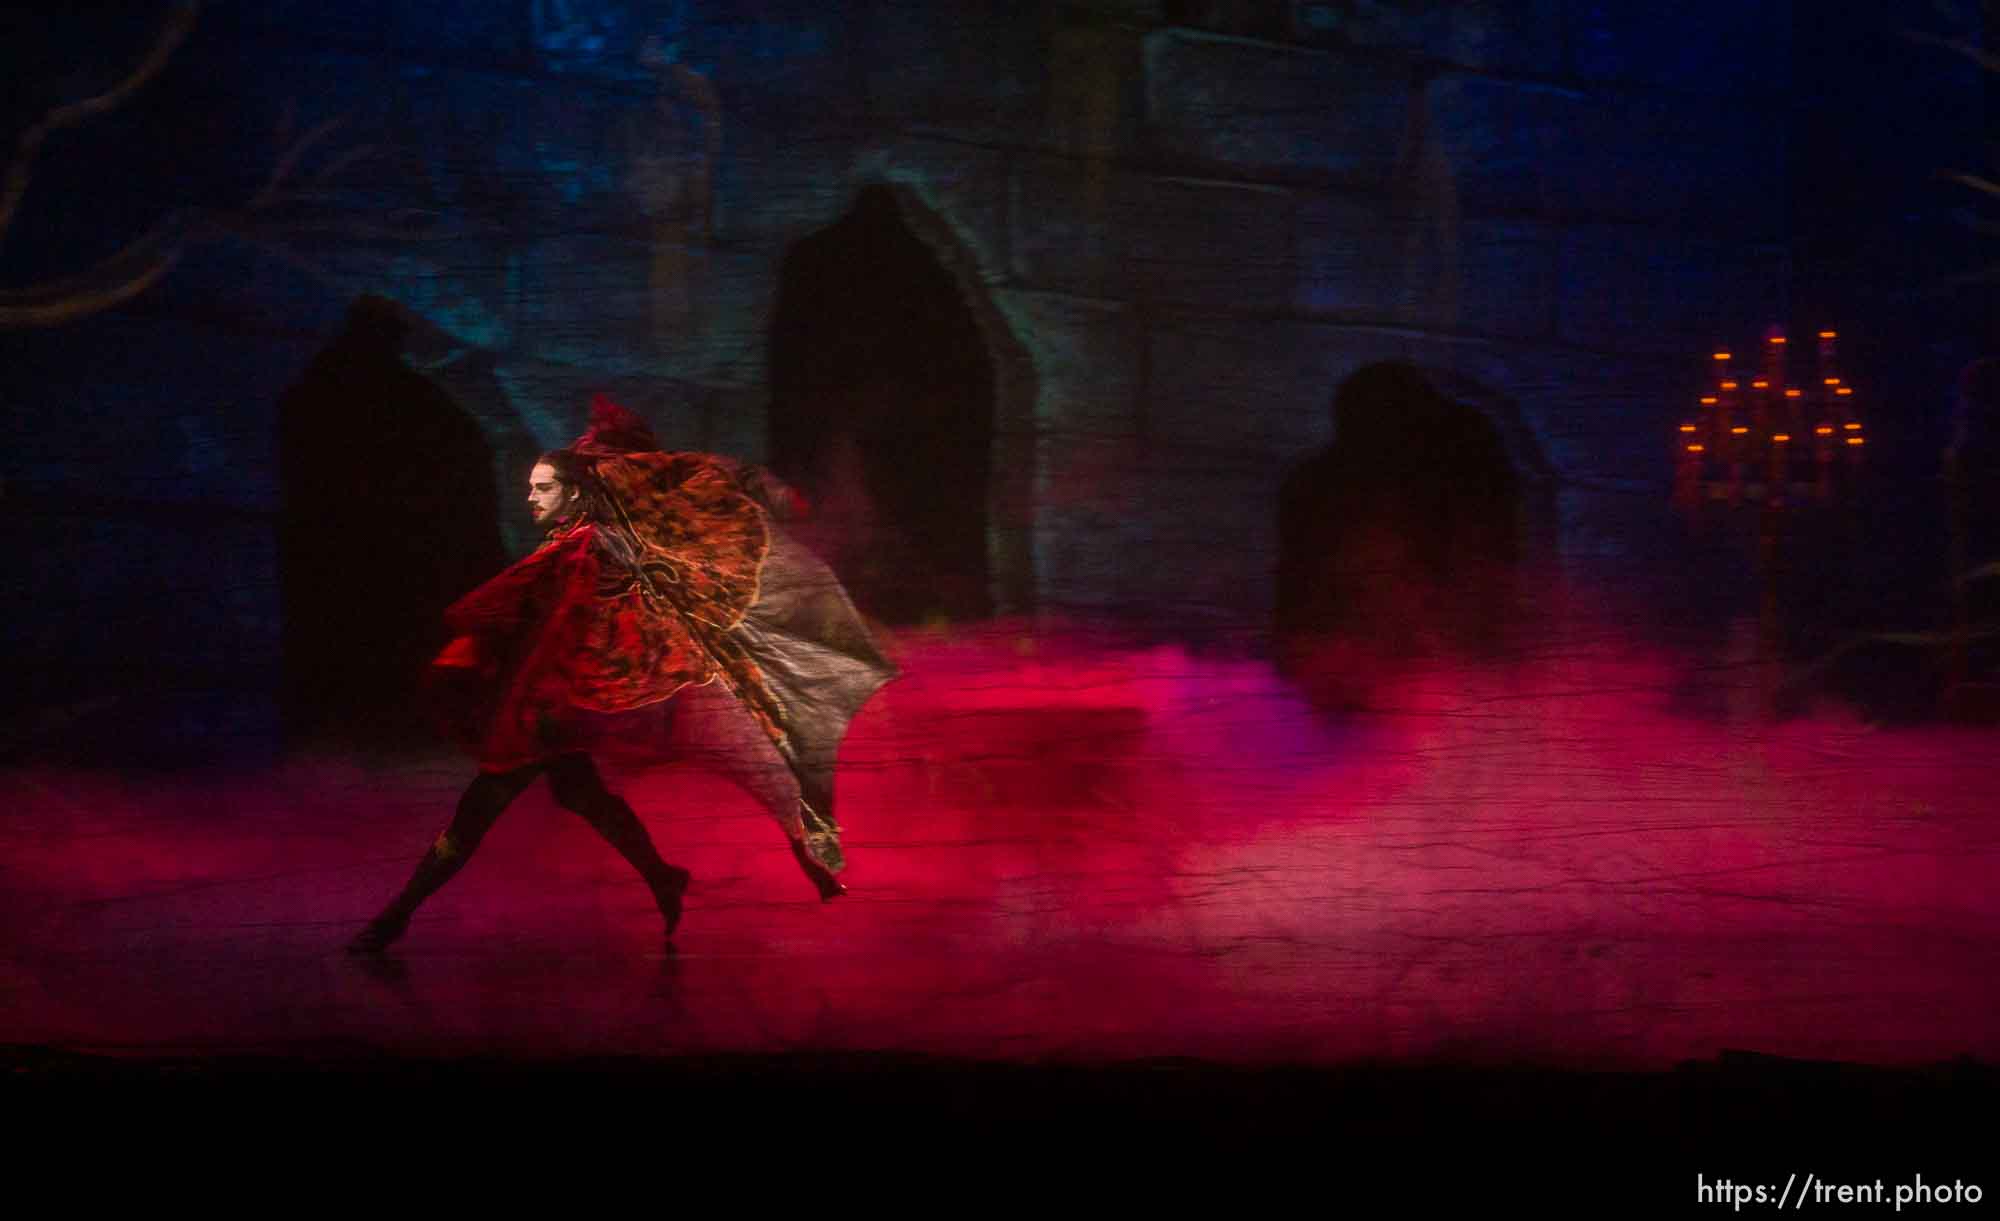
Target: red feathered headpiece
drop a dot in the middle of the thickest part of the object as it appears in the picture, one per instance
(614, 430)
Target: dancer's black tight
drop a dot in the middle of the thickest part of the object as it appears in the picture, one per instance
(577, 787)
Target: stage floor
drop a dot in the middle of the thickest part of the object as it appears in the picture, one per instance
(1062, 850)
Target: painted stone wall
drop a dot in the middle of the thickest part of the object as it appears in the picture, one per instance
(1179, 225)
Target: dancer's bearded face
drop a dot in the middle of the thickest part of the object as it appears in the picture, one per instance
(550, 500)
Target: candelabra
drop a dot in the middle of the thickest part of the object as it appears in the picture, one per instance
(1762, 441)
(1758, 437)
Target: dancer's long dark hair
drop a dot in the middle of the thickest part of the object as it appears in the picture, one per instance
(574, 471)
(594, 504)
(613, 430)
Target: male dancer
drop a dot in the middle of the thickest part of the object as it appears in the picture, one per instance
(662, 571)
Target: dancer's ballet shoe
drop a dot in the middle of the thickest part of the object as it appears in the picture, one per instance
(669, 888)
(381, 933)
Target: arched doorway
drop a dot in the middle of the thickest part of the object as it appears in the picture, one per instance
(390, 513)
(1405, 537)
(882, 404)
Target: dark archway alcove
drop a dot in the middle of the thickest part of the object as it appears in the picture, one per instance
(389, 514)
(1405, 537)
(882, 405)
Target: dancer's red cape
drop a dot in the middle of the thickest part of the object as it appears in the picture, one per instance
(683, 589)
